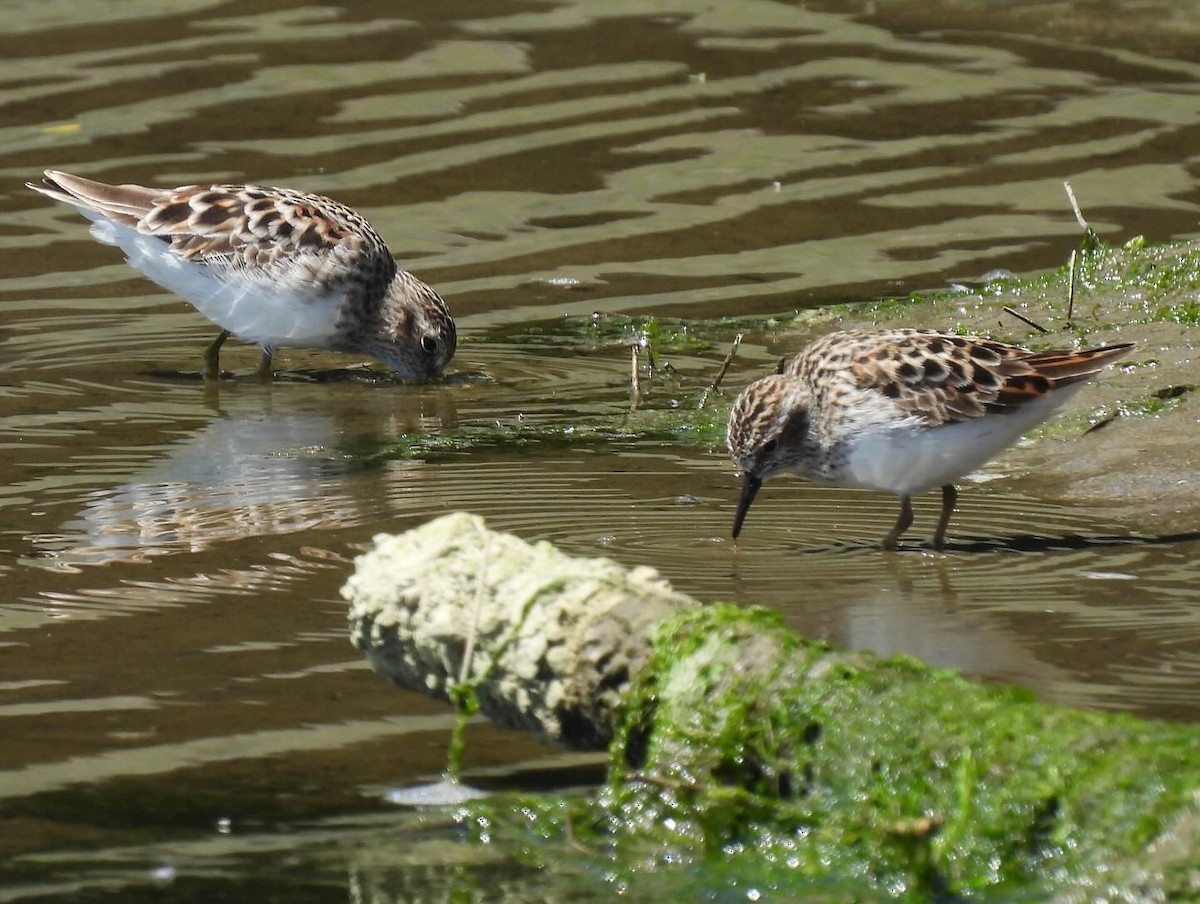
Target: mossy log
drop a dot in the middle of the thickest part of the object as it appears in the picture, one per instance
(727, 732)
(552, 641)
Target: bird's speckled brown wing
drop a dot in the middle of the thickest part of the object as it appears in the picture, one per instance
(943, 378)
(272, 235)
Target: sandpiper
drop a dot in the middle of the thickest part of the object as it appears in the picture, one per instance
(272, 266)
(899, 410)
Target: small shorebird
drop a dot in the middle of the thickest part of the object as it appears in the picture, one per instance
(899, 410)
(271, 266)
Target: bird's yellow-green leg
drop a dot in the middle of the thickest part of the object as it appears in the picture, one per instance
(264, 371)
(212, 356)
(903, 522)
(949, 500)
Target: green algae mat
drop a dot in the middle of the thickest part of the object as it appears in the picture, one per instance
(743, 756)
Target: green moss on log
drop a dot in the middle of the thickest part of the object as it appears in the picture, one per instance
(742, 737)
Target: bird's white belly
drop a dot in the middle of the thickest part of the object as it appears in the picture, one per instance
(908, 460)
(253, 310)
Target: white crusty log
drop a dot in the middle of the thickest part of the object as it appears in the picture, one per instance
(553, 640)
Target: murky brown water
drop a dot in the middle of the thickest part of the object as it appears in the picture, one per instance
(172, 644)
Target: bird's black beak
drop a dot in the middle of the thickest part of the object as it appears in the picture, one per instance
(750, 488)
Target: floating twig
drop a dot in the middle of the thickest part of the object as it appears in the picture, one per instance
(1024, 319)
(716, 383)
(1071, 287)
(1174, 392)
(635, 378)
(1083, 224)
(645, 338)
(1090, 239)
(1107, 418)
(1090, 242)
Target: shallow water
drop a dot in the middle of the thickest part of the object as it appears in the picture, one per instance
(172, 643)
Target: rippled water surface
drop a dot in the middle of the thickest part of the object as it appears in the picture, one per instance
(175, 677)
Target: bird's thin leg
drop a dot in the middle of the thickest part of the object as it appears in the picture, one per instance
(903, 522)
(949, 500)
(212, 356)
(264, 371)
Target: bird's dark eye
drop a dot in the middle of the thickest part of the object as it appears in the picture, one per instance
(769, 447)
(429, 344)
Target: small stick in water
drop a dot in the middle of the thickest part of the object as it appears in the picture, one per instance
(1071, 287)
(1083, 224)
(1022, 317)
(635, 380)
(716, 383)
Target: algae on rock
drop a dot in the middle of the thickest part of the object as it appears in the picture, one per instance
(732, 738)
(554, 638)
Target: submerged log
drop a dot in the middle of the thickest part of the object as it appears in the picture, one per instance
(551, 640)
(727, 731)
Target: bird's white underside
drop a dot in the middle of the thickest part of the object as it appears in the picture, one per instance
(909, 460)
(254, 310)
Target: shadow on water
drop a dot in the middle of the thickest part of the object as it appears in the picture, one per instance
(1016, 543)
(1033, 543)
(364, 373)
(180, 711)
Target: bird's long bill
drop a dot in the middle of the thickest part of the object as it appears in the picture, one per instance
(750, 488)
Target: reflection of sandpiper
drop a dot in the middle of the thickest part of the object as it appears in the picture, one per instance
(899, 410)
(271, 266)
(240, 477)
